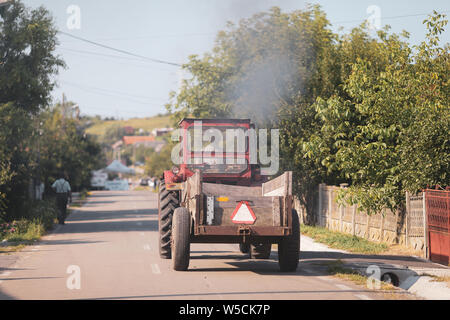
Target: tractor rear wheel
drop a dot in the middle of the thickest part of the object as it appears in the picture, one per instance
(289, 247)
(167, 203)
(181, 247)
(260, 250)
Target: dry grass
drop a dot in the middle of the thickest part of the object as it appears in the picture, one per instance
(11, 249)
(354, 244)
(343, 241)
(336, 268)
(147, 124)
(442, 279)
(400, 250)
(142, 188)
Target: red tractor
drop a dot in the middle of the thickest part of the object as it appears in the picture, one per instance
(216, 195)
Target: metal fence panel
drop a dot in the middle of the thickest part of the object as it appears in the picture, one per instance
(438, 219)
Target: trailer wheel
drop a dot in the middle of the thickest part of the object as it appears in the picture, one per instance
(289, 247)
(244, 247)
(260, 250)
(181, 247)
(167, 203)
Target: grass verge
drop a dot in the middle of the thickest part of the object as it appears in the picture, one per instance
(26, 232)
(337, 268)
(142, 188)
(343, 241)
(39, 217)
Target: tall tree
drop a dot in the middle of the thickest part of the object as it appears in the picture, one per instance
(27, 56)
(388, 131)
(65, 147)
(28, 64)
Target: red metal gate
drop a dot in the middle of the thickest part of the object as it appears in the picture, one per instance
(438, 218)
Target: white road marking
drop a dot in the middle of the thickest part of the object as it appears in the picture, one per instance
(363, 297)
(325, 278)
(343, 287)
(155, 269)
(139, 223)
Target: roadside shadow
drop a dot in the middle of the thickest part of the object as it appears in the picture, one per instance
(92, 226)
(317, 263)
(94, 203)
(245, 294)
(375, 259)
(111, 214)
(3, 269)
(392, 269)
(267, 267)
(218, 256)
(66, 242)
(5, 296)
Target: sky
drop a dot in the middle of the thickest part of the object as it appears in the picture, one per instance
(113, 84)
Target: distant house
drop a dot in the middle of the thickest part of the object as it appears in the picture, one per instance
(138, 140)
(147, 141)
(128, 130)
(161, 131)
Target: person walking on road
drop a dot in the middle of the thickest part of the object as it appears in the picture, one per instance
(63, 193)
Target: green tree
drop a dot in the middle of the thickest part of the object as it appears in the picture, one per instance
(156, 163)
(64, 147)
(28, 60)
(113, 134)
(28, 64)
(388, 131)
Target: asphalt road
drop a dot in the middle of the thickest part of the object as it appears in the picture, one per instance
(108, 250)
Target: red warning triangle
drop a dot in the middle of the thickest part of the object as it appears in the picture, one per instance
(243, 214)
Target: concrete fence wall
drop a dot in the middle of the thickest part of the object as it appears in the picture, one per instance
(405, 229)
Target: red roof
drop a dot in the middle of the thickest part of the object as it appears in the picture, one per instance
(137, 139)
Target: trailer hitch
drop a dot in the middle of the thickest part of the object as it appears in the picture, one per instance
(244, 231)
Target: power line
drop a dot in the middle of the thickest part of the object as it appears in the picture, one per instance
(112, 109)
(210, 34)
(99, 54)
(110, 93)
(120, 50)
(139, 62)
(387, 18)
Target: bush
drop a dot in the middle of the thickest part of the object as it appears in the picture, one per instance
(34, 222)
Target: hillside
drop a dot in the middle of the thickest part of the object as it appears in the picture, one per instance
(147, 124)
